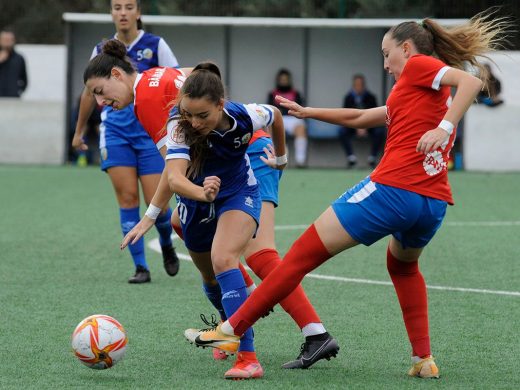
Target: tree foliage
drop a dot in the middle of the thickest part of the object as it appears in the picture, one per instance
(40, 21)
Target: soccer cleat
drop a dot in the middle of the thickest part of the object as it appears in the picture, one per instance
(312, 351)
(170, 260)
(192, 333)
(246, 367)
(142, 275)
(424, 367)
(219, 355)
(215, 338)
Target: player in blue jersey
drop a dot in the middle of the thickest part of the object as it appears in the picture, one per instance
(219, 200)
(128, 154)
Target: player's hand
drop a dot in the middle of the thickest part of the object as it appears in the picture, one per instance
(78, 143)
(138, 231)
(271, 158)
(432, 140)
(294, 108)
(211, 187)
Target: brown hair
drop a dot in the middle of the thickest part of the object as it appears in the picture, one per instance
(203, 83)
(112, 54)
(458, 45)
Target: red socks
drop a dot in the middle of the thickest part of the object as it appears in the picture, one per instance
(411, 291)
(297, 304)
(306, 254)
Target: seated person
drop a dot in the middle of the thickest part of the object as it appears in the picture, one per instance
(293, 126)
(489, 96)
(360, 97)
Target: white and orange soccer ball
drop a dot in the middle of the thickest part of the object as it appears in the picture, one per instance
(99, 341)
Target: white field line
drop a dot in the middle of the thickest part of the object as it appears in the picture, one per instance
(154, 245)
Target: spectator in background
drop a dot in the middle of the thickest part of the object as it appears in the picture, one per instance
(490, 95)
(359, 97)
(295, 127)
(13, 77)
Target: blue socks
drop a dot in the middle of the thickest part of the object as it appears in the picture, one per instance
(164, 227)
(233, 295)
(214, 295)
(129, 218)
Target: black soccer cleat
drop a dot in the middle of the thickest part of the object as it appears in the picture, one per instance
(170, 260)
(142, 275)
(314, 350)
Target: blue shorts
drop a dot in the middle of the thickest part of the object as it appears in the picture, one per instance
(370, 211)
(199, 219)
(267, 177)
(147, 161)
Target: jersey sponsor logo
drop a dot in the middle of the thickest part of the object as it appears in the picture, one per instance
(231, 294)
(179, 81)
(154, 80)
(434, 163)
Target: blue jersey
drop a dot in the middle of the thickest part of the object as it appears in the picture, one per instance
(121, 127)
(227, 156)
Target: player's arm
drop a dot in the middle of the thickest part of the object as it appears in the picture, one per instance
(181, 185)
(347, 117)
(86, 106)
(468, 87)
(276, 158)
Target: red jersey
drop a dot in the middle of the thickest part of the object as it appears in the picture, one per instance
(154, 92)
(416, 104)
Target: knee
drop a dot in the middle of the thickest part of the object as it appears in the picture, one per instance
(127, 199)
(223, 262)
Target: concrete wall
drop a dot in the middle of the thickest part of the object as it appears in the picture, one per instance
(32, 129)
(31, 132)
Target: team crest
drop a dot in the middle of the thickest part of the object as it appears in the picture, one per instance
(147, 53)
(246, 138)
(434, 163)
(104, 153)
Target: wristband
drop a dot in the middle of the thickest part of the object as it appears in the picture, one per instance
(447, 126)
(281, 160)
(153, 212)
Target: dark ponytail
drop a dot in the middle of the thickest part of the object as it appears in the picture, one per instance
(113, 54)
(204, 82)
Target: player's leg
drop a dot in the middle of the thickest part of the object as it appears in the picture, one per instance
(124, 181)
(263, 258)
(300, 143)
(150, 167)
(403, 253)
(234, 230)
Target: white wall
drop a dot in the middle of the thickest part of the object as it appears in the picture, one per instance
(46, 67)
(492, 135)
(32, 129)
(31, 132)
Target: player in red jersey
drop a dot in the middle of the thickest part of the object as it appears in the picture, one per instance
(152, 93)
(407, 195)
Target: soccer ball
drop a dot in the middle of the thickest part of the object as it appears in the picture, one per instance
(99, 341)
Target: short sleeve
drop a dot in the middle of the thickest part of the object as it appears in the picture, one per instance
(166, 56)
(425, 71)
(261, 115)
(174, 148)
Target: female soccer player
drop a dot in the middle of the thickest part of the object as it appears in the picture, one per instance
(407, 194)
(127, 153)
(260, 253)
